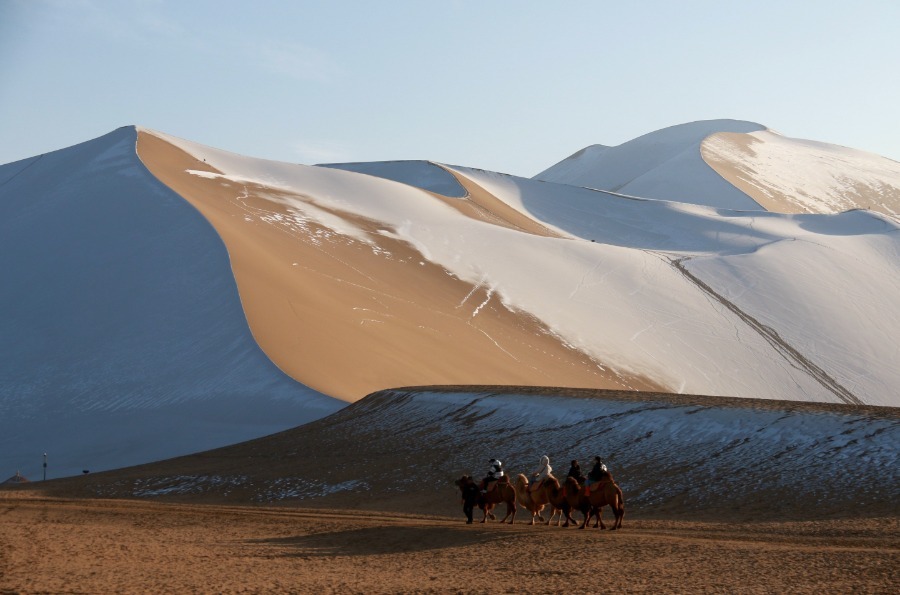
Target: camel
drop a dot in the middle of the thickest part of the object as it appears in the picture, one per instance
(535, 501)
(556, 498)
(503, 492)
(608, 493)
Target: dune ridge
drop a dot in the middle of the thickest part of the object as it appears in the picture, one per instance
(322, 303)
(787, 175)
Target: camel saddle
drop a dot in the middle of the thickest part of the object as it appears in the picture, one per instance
(533, 487)
(493, 483)
(597, 485)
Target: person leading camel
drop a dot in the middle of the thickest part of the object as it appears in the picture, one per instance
(542, 473)
(469, 496)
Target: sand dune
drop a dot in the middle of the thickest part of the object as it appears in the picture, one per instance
(674, 455)
(665, 165)
(787, 175)
(512, 239)
(122, 337)
(351, 313)
(157, 287)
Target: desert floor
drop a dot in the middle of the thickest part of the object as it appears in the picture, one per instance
(104, 546)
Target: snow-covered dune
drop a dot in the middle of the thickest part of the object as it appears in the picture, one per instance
(161, 296)
(819, 289)
(737, 165)
(122, 338)
(353, 283)
(789, 175)
(627, 299)
(421, 174)
(671, 455)
(641, 297)
(665, 164)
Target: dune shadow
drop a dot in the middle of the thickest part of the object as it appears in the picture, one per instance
(383, 540)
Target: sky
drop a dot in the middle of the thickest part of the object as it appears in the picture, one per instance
(505, 86)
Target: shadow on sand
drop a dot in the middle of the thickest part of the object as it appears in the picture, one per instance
(384, 540)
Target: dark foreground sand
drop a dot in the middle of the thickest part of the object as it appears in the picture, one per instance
(106, 546)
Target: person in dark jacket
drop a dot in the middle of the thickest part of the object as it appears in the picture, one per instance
(575, 471)
(598, 472)
(495, 472)
(470, 495)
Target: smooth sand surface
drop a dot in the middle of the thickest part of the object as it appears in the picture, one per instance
(344, 319)
(91, 546)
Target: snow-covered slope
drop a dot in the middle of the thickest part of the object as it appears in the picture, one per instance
(122, 338)
(665, 164)
(671, 456)
(737, 165)
(421, 174)
(806, 269)
(643, 297)
(126, 319)
(788, 175)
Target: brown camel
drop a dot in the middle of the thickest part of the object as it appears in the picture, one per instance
(556, 498)
(503, 492)
(532, 501)
(606, 493)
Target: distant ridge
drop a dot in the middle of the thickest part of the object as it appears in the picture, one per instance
(664, 164)
(737, 165)
(421, 174)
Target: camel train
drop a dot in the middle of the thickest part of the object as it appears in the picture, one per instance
(587, 495)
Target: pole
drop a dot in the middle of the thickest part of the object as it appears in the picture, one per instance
(45, 466)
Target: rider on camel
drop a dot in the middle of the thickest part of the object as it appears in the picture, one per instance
(542, 473)
(495, 472)
(598, 473)
(575, 471)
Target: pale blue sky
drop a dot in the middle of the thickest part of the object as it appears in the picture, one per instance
(505, 86)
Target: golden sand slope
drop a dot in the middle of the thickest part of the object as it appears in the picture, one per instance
(337, 315)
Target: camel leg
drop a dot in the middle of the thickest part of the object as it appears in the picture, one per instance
(620, 514)
(600, 518)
